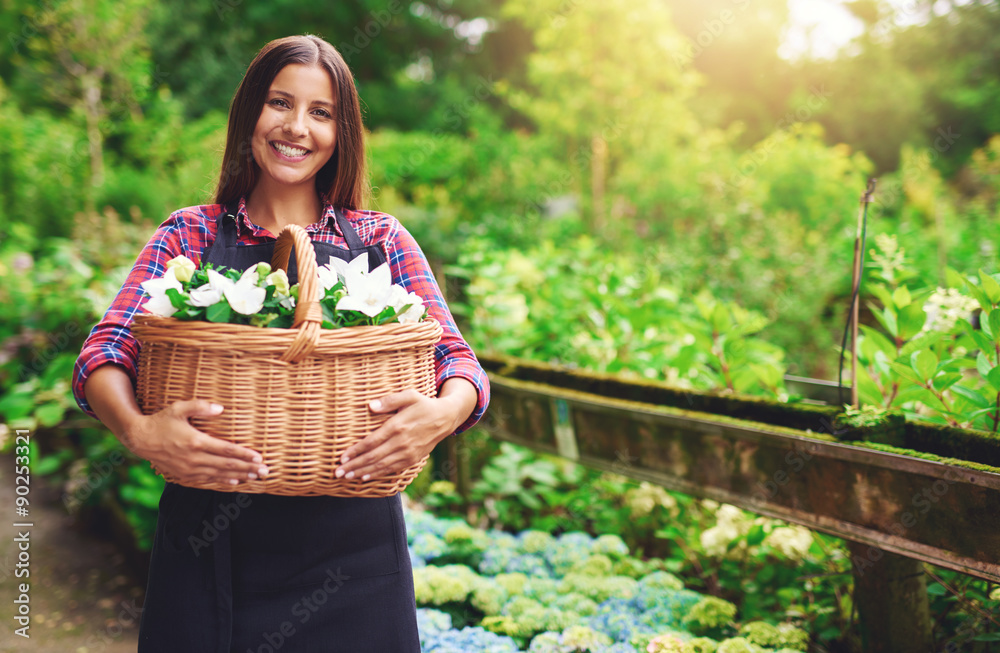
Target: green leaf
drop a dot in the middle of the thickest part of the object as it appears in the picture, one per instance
(973, 396)
(983, 341)
(49, 464)
(924, 363)
(928, 398)
(945, 381)
(874, 339)
(980, 296)
(755, 536)
(936, 589)
(983, 365)
(911, 320)
(994, 378)
(906, 372)
(50, 414)
(952, 278)
(176, 298)
(901, 297)
(990, 286)
(987, 637)
(883, 294)
(721, 323)
(220, 312)
(994, 320)
(15, 406)
(887, 318)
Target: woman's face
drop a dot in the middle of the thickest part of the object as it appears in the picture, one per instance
(296, 133)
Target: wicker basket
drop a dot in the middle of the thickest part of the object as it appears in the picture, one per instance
(298, 396)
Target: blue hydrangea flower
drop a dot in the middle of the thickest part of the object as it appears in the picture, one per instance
(466, 640)
(432, 622)
(428, 546)
(415, 560)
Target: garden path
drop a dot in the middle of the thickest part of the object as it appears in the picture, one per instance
(83, 597)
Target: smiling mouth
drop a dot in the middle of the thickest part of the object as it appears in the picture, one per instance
(289, 151)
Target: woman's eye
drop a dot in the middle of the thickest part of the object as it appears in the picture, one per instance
(278, 102)
(324, 113)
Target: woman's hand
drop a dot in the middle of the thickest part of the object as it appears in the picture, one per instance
(166, 438)
(176, 448)
(417, 425)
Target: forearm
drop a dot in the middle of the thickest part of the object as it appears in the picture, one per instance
(461, 395)
(111, 396)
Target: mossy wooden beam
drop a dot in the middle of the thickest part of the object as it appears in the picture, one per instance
(928, 509)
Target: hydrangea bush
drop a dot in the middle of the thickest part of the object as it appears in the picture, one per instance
(568, 594)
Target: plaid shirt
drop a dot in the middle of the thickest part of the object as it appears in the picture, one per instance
(189, 231)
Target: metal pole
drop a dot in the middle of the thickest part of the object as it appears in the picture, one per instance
(866, 199)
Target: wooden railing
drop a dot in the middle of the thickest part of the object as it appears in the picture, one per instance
(780, 460)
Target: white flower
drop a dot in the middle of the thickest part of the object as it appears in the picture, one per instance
(182, 266)
(792, 541)
(245, 296)
(400, 299)
(337, 270)
(368, 293)
(341, 267)
(211, 292)
(159, 303)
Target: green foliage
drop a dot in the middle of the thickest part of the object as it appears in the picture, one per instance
(583, 305)
(710, 616)
(931, 359)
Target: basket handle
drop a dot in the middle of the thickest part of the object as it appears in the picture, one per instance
(308, 314)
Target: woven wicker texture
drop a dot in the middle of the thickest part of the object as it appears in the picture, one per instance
(298, 396)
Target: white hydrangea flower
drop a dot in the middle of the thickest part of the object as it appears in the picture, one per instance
(945, 308)
(792, 541)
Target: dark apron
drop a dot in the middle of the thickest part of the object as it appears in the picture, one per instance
(260, 573)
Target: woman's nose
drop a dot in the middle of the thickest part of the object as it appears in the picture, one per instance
(295, 123)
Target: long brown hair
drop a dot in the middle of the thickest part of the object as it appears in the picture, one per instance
(342, 181)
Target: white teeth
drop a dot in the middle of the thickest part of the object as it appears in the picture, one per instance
(289, 151)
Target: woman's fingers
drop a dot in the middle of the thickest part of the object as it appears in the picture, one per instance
(175, 447)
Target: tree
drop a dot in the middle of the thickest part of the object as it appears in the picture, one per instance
(93, 59)
(601, 81)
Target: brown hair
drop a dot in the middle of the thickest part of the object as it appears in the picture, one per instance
(342, 181)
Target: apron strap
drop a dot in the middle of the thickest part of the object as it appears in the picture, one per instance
(350, 235)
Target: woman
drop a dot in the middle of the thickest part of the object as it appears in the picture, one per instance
(256, 572)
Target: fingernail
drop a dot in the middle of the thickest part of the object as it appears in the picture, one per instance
(366, 477)
(376, 404)
(350, 474)
(234, 481)
(345, 458)
(262, 472)
(252, 476)
(215, 409)
(339, 473)
(258, 459)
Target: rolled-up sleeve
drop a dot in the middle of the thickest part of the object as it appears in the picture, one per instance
(452, 355)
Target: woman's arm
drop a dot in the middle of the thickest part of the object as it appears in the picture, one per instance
(166, 438)
(103, 380)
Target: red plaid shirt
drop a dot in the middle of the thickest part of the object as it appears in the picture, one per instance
(189, 231)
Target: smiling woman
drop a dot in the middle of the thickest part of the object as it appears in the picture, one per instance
(296, 132)
(221, 579)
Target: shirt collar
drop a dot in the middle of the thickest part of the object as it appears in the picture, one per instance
(244, 225)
